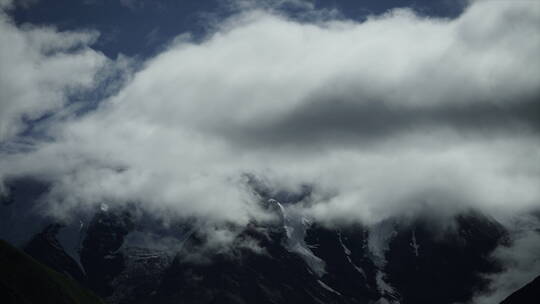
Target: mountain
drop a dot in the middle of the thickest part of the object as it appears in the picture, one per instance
(396, 261)
(529, 294)
(24, 280)
(125, 255)
(46, 248)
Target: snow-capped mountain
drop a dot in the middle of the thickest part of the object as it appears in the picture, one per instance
(126, 256)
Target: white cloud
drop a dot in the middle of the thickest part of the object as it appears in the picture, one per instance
(40, 68)
(5, 3)
(383, 117)
(520, 260)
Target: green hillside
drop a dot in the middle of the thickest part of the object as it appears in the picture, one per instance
(24, 280)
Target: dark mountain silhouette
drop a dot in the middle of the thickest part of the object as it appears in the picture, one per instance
(420, 264)
(529, 294)
(126, 256)
(24, 280)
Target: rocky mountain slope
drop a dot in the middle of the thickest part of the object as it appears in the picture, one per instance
(126, 256)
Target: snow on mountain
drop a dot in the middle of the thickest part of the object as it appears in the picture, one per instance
(379, 238)
(414, 244)
(296, 226)
(348, 256)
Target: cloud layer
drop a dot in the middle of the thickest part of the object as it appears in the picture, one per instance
(394, 115)
(41, 67)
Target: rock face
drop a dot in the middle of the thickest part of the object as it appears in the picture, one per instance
(448, 267)
(100, 253)
(411, 262)
(275, 276)
(395, 262)
(46, 248)
(529, 294)
(126, 256)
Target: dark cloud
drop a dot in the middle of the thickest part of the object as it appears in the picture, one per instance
(342, 122)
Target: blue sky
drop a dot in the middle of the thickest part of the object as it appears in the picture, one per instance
(135, 27)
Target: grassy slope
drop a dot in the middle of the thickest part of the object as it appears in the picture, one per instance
(24, 280)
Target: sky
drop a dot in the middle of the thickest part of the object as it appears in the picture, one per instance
(389, 112)
(141, 28)
(378, 108)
